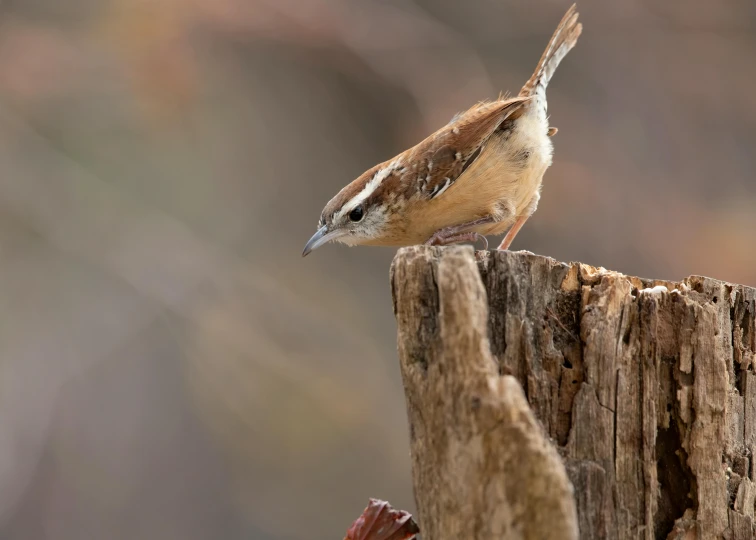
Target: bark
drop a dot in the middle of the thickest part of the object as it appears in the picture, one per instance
(525, 377)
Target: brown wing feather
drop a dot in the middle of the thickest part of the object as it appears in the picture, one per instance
(442, 158)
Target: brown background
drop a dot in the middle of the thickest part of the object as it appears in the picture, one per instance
(169, 366)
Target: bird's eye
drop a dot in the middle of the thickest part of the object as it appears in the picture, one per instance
(356, 214)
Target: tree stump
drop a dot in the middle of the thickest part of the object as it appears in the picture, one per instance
(558, 401)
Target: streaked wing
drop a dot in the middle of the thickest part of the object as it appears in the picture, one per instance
(441, 159)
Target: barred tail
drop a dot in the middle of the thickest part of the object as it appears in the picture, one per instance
(563, 40)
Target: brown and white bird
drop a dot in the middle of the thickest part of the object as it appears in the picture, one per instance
(481, 174)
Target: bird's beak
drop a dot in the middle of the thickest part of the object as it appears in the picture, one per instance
(321, 237)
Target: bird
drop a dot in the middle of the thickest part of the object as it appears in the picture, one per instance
(481, 174)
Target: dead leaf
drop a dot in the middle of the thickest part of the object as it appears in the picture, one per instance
(380, 521)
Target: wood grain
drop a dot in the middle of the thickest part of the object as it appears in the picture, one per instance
(544, 396)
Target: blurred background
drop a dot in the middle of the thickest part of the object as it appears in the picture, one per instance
(169, 366)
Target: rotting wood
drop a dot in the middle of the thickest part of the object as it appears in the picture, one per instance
(645, 388)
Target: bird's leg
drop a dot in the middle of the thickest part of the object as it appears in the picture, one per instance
(459, 233)
(512, 233)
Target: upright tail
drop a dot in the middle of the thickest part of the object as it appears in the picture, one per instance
(563, 40)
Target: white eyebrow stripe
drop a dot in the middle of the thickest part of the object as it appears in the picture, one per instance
(369, 188)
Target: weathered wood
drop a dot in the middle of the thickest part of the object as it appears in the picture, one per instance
(645, 388)
(482, 466)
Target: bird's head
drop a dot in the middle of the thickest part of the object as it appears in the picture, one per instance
(361, 213)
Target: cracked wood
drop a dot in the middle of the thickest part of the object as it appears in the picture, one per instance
(645, 389)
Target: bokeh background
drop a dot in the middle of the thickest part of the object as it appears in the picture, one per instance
(169, 366)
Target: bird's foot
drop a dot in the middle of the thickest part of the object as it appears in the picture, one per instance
(439, 239)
